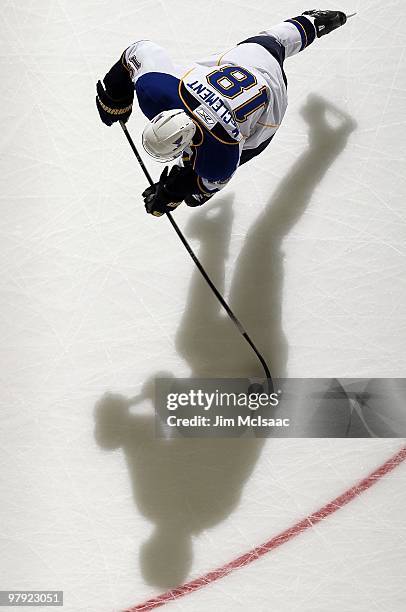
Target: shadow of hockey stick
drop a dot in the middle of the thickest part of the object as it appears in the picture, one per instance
(201, 269)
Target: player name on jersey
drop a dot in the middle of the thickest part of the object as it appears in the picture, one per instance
(214, 101)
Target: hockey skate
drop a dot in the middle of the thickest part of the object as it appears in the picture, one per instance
(327, 21)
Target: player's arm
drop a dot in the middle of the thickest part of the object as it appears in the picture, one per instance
(182, 183)
(115, 95)
(195, 180)
(146, 56)
(213, 165)
(203, 189)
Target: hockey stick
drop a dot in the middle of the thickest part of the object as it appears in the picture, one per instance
(203, 272)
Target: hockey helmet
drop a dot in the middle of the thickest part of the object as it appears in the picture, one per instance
(168, 134)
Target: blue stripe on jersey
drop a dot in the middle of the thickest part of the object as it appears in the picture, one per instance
(214, 161)
(306, 29)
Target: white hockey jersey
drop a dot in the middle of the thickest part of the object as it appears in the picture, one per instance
(238, 99)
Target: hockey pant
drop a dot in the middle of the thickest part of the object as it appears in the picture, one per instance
(281, 41)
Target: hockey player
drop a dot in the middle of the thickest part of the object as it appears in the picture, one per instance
(212, 117)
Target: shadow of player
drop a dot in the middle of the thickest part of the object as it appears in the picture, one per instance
(185, 486)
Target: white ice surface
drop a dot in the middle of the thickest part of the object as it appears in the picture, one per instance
(97, 297)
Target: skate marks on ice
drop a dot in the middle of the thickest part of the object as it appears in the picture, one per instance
(185, 486)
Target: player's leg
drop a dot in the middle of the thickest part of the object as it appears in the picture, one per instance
(294, 35)
(280, 41)
(298, 33)
(290, 37)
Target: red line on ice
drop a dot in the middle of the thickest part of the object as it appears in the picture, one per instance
(276, 541)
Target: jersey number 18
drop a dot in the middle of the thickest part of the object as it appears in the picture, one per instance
(233, 81)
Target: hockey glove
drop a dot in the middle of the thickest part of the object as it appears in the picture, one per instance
(193, 195)
(159, 198)
(180, 184)
(114, 101)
